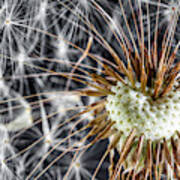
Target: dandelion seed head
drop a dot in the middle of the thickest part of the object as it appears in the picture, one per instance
(130, 109)
(53, 122)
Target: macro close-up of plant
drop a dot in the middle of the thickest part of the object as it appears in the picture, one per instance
(89, 90)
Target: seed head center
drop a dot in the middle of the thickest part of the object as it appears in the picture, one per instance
(155, 119)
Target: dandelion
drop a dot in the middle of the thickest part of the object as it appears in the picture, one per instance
(136, 93)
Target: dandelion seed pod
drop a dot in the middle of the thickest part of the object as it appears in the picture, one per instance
(95, 90)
